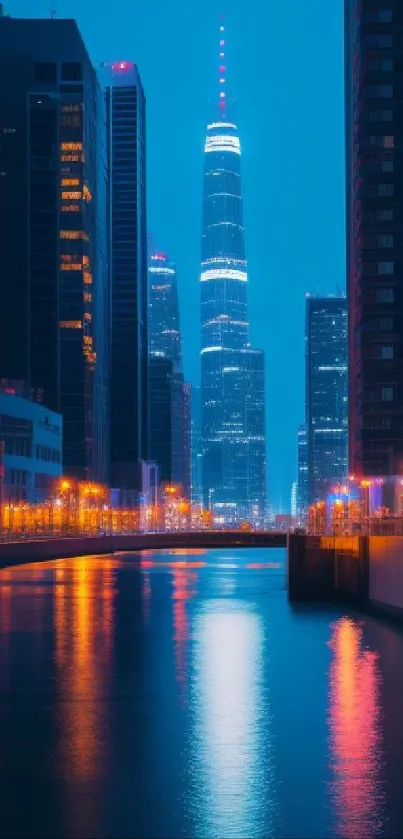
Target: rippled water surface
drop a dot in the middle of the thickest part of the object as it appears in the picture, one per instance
(179, 695)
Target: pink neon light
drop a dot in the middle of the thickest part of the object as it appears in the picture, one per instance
(222, 43)
(159, 256)
(122, 66)
(222, 69)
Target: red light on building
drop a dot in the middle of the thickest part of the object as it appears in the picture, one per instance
(160, 256)
(122, 66)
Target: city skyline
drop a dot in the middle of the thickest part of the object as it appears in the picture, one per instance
(279, 276)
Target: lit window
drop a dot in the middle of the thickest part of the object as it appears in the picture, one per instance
(387, 353)
(73, 196)
(87, 297)
(70, 158)
(71, 146)
(70, 182)
(73, 234)
(74, 266)
(86, 260)
(70, 324)
(87, 276)
(70, 208)
(387, 394)
(388, 142)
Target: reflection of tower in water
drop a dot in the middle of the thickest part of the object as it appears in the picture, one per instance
(231, 751)
(355, 734)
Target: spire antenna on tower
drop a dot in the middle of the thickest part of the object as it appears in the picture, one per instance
(222, 69)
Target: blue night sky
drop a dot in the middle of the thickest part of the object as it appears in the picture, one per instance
(285, 67)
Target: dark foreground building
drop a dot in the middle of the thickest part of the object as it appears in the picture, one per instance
(374, 156)
(126, 121)
(326, 393)
(54, 310)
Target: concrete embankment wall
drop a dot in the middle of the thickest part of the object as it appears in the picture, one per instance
(386, 574)
(366, 571)
(328, 568)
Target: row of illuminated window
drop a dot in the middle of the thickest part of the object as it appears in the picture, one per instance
(380, 394)
(74, 234)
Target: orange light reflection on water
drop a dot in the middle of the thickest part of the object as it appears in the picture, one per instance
(355, 733)
(184, 583)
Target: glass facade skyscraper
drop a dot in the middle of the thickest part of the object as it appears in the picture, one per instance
(232, 373)
(169, 397)
(326, 393)
(126, 117)
(54, 290)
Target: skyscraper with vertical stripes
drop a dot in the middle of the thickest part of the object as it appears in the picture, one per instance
(232, 373)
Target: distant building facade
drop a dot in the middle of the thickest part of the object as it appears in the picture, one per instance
(196, 449)
(31, 442)
(126, 127)
(54, 309)
(374, 191)
(170, 395)
(326, 393)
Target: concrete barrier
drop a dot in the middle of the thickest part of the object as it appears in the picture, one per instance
(16, 553)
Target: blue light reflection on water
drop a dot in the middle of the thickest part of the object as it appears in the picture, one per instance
(182, 696)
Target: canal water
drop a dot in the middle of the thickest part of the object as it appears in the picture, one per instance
(179, 695)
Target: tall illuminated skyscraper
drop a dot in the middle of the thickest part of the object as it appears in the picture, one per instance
(232, 373)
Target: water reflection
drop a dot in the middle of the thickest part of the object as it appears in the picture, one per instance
(83, 624)
(231, 749)
(355, 734)
(184, 588)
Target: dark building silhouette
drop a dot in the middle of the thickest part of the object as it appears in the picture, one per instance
(169, 394)
(232, 374)
(54, 292)
(374, 189)
(126, 126)
(326, 393)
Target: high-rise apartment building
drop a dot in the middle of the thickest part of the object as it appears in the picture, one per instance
(126, 126)
(54, 286)
(374, 188)
(169, 397)
(232, 373)
(326, 393)
(302, 482)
